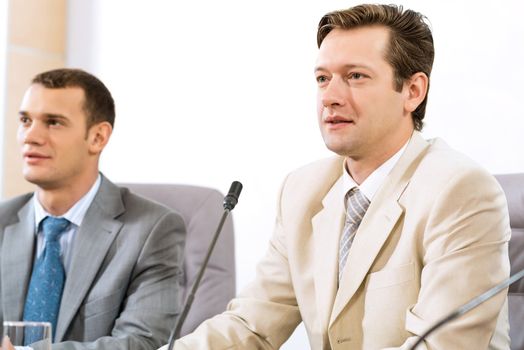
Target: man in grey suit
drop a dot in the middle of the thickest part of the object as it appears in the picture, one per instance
(120, 255)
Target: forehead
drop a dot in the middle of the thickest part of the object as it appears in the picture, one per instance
(41, 100)
(366, 44)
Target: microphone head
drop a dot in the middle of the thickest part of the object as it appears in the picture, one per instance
(231, 200)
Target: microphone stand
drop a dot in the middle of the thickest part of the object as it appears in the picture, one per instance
(229, 203)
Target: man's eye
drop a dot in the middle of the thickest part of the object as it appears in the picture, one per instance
(356, 76)
(321, 79)
(53, 122)
(24, 120)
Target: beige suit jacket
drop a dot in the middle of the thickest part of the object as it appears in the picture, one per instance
(435, 235)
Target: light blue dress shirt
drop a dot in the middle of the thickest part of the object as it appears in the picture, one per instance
(75, 215)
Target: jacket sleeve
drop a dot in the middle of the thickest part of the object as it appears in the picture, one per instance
(263, 316)
(464, 253)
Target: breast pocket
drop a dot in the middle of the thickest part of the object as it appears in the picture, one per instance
(105, 304)
(390, 277)
(387, 296)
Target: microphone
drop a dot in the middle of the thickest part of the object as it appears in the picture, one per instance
(473, 303)
(230, 201)
(232, 196)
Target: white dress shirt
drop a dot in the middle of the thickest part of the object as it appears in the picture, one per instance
(373, 182)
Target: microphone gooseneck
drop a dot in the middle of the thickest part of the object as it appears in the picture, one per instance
(230, 201)
(473, 303)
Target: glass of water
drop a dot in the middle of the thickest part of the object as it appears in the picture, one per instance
(35, 335)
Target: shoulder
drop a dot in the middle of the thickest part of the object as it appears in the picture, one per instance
(184, 199)
(138, 202)
(445, 166)
(120, 202)
(451, 181)
(303, 190)
(318, 176)
(138, 206)
(9, 208)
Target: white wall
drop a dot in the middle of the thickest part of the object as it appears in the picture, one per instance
(208, 92)
(3, 58)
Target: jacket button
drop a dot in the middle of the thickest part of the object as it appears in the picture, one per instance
(343, 340)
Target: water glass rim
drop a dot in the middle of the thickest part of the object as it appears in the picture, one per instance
(26, 324)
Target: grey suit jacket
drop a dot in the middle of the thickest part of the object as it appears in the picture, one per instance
(122, 288)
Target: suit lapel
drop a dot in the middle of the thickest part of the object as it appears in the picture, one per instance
(378, 223)
(92, 241)
(370, 238)
(17, 261)
(327, 227)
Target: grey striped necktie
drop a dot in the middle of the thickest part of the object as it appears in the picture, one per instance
(356, 206)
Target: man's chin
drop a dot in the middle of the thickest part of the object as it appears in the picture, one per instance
(341, 150)
(37, 179)
(344, 146)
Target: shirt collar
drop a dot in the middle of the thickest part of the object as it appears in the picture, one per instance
(373, 182)
(76, 213)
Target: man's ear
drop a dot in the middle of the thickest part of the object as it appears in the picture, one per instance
(98, 136)
(416, 89)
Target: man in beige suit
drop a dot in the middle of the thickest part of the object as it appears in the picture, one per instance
(434, 233)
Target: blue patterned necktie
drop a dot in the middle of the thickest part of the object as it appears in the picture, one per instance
(356, 206)
(47, 280)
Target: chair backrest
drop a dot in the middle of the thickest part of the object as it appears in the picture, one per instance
(513, 185)
(201, 208)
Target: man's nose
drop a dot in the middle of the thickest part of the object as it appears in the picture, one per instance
(333, 93)
(31, 134)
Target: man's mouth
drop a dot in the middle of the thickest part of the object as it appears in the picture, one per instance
(31, 157)
(338, 120)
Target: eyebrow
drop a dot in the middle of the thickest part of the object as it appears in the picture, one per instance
(346, 66)
(46, 115)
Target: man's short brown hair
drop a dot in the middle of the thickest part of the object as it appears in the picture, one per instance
(98, 105)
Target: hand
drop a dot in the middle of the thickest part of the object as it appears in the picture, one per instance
(6, 344)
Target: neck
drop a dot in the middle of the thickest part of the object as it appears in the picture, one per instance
(361, 167)
(57, 201)
(359, 171)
